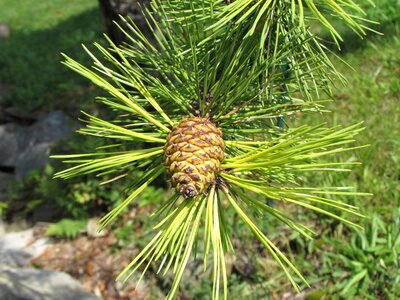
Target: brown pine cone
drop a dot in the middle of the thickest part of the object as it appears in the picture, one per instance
(193, 155)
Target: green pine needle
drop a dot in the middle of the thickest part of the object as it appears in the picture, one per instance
(245, 65)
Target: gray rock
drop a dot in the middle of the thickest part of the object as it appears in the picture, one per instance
(4, 31)
(19, 225)
(32, 158)
(19, 282)
(9, 145)
(35, 142)
(52, 128)
(6, 180)
(16, 240)
(15, 259)
(24, 148)
(32, 284)
(18, 248)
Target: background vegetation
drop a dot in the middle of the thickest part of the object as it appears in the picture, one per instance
(341, 262)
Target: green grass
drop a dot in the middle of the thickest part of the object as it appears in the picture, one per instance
(30, 57)
(372, 95)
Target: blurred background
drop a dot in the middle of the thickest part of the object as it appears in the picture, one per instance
(48, 226)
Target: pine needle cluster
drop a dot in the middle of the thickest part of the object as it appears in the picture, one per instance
(244, 67)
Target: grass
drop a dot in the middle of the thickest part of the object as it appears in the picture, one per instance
(30, 57)
(371, 95)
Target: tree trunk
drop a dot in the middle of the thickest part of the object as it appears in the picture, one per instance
(111, 11)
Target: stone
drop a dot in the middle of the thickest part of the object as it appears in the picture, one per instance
(6, 181)
(27, 148)
(15, 259)
(17, 281)
(52, 128)
(17, 225)
(21, 247)
(35, 142)
(32, 284)
(4, 31)
(92, 228)
(33, 157)
(16, 240)
(9, 136)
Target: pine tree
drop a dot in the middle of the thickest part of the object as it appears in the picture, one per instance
(209, 97)
(111, 10)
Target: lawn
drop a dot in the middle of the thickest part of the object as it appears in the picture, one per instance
(372, 96)
(30, 57)
(352, 263)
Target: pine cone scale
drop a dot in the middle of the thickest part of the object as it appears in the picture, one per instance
(193, 155)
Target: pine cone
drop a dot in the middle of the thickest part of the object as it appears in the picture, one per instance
(193, 155)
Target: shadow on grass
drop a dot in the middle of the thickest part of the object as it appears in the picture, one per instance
(30, 63)
(352, 42)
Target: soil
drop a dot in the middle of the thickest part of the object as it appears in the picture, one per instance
(91, 261)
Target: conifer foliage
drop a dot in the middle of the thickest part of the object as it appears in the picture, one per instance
(208, 96)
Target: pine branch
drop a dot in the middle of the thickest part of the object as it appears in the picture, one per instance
(208, 87)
